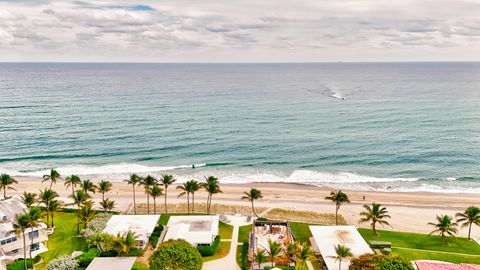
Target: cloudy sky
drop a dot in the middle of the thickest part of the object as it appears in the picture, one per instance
(240, 30)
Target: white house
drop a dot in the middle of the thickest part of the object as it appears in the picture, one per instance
(325, 238)
(142, 225)
(11, 244)
(197, 230)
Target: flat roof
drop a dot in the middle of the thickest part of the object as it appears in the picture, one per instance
(194, 229)
(139, 224)
(117, 263)
(327, 237)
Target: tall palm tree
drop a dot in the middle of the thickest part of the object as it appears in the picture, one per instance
(212, 187)
(194, 187)
(252, 195)
(186, 189)
(375, 214)
(104, 187)
(86, 213)
(79, 198)
(444, 226)
(46, 196)
(274, 248)
(339, 198)
(469, 217)
(21, 224)
(155, 192)
(107, 204)
(53, 207)
(5, 182)
(148, 182)
(134, 180)
(72, 181)
(34, 216)
(166, 181)
(87, 186)
(342, 252)
(52, 177)
(260, 258)
(303, 253)
(29, 199)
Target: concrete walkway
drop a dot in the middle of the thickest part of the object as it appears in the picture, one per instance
(229, 262)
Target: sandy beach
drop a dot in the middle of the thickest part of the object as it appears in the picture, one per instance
(409, 211)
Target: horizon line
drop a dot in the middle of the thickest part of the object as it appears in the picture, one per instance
(233, 62)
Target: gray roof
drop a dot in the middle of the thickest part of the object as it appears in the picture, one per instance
(117, 263)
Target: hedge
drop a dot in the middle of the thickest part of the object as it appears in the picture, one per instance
(211, 249)
(176, 255)
(18, 265)
(87, 257)
(380, 262)
(155, 235)
(244, 257)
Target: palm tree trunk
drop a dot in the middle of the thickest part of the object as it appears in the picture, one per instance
(78, 220)
(166, 192)
(340, 265)
(336, 215)
(103, 196)
(193, 202)
(51, 183)
(31, 241)
(24, 251)
(469, 230)
(148, 204)
(73, 190)
(188, 202)
(134, 204)
(154, 205)
(374, 228)
(253, 210)
(52, 219)
(5, 192)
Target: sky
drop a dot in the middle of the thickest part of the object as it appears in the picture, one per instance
(240, 30)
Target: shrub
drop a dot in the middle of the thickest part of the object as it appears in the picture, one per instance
(97, 225)
(136, 252)
(244, 257)
(37, 259)
(211, 249)
(176, 255)
(155, 235)
(262, 219)
(87, 257)
(18, 265)
(380, 262)
(63, 263)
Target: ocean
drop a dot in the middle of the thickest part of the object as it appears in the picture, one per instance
(365, 126)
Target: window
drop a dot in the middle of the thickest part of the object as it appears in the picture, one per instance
(8, 240)
(33, 235)
(35, 247)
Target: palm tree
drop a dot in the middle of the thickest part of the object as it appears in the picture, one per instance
(342, 252)
(259, 257)
(52, 177)
(375, 214)
(107, 204)
(46, 196)
(148, 182)
(444, 226)
(166, 181)
(338, 197)
(72, 181)
(289, 252)
(101, 241)
(88, 186)
(104, 187)
(123, 244)
(303, 253)
(155, 192)
(274, 248)
(470, 216)
(86, 213)
(5, 182)
(79, 198)
(134, 180)
(21, 224)
(29, 199)
(186, 189)
(252, 195)
(212, 187)
(194, 187)
(34, 215)
(53, 207)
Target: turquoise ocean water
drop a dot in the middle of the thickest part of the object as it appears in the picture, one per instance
(395, 126)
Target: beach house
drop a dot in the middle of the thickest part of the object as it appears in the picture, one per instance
(197, 230)
(11, 244)
(141, 225)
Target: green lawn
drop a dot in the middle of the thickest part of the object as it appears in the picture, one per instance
(244, 233)
(140, 266)
(225, 230)
(301, 231)
(64, 240)
(222, 252)
(427, 255)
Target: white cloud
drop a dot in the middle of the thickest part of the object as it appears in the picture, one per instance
(248, 30)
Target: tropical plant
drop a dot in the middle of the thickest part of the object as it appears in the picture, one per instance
(107, 204)
(122, 244)
(104, 187)
(87, 186)
(469, 217)
(64, 262)
(29, 199)
(274, 249)
(147, 183)
(380, 262)
(342, 252)
(20, 224)
(46, 196)
(375, 214)
(176, 255)
(166, 180)
(339, 198)
(5, 182)
(72, 181)
(34, 216)
(53, 207)
(52, 177)
(86, 213)
(212, 186)
(186, 190)
(134, 180)
(155, 192)
(260, 258)
(303, 253)
(101, 241)
(444, 227)
(289, 251)
(252, 195)
(79, 198)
